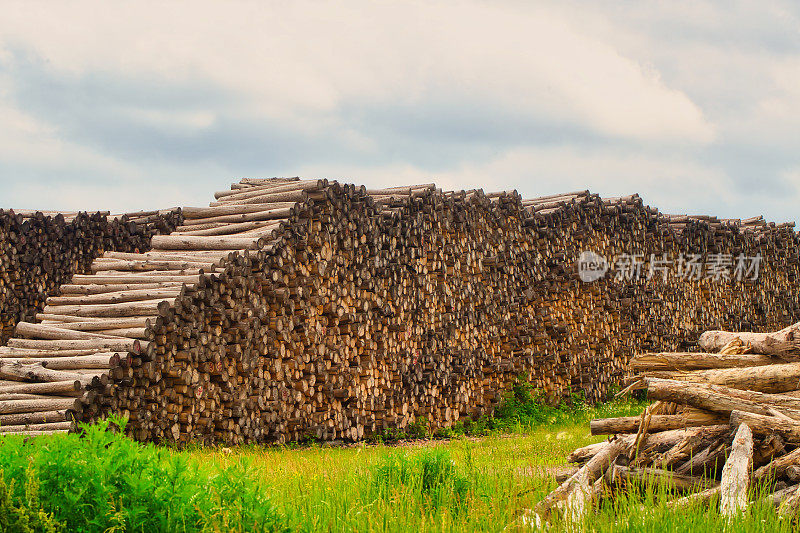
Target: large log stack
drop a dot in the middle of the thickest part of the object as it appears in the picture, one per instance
(39, 251)
(290, 309)
(588, 331)
(722, 421)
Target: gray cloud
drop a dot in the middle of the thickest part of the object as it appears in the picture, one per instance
(683, 103)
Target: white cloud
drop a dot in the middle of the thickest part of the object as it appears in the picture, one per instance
(301, 60)
(672, 184)
(688, 103)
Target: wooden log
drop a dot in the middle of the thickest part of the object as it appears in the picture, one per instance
(708, 399)
(99, 360)
(777, 467)
(588, 474)
(770, 378)
(261, 215)
(36, 406)
(48, 426)
(125, 309)
(702, 498)
(40, 417)
(54, 387)
(656, 476)
(201, 213)
(784, 344)
(111, 344)
(766, 425)
(630, 424)
(130, 280)
(36, 372)
(95, 323)
(736, 473)
(671, 361)
(43, 331)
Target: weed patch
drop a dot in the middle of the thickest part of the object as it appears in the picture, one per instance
(429, 477)
(103, 481)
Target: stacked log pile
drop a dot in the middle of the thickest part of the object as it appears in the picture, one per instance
(724, 419)
(586, 332)
(290, 309)
(39, 251)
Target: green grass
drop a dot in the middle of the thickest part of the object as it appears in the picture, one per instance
(104, 482)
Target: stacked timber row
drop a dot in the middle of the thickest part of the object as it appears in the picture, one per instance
(290, 309)
(40, 251)
(585, 333)
(724, 429)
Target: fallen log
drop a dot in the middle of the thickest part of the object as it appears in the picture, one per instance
(736, 473)
(777, 467)
(766, 425)
(770, 378)
(630, 424)
(708, 399)
(587, 475)
(784, 344)
(673, 361)
(660, 477)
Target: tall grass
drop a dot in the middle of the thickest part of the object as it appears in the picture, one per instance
(430, 479)
(102, 481)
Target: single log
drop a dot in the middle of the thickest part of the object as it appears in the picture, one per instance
(770, 378)
(113, 344)
(699, 499)
(657, 476)
(48, 426)
(708, 399)
(97, 324)
(36, 372)
(582, 455)
(117, 296)
(129, 281)
(777, 467)
(766, 425)
(736, 473)
(126, 309)
(588, 474)
(99, 360)
(784, 343)
(698, 361)
(43, 331)
(630, 424)
(167, 242)
(269, 214)
(40, 417)
(36, 406)
(54, 387)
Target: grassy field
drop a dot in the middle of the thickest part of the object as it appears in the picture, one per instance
(104, 482)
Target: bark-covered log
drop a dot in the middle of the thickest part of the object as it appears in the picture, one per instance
(784, 344)
(736, 473)
(630, 424)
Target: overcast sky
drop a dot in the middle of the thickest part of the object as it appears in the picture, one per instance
(694, 105)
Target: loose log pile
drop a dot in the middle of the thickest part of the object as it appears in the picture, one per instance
(290, 309)
(39, 251)
(721, 421)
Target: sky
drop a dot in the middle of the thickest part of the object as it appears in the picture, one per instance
(124, 106)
